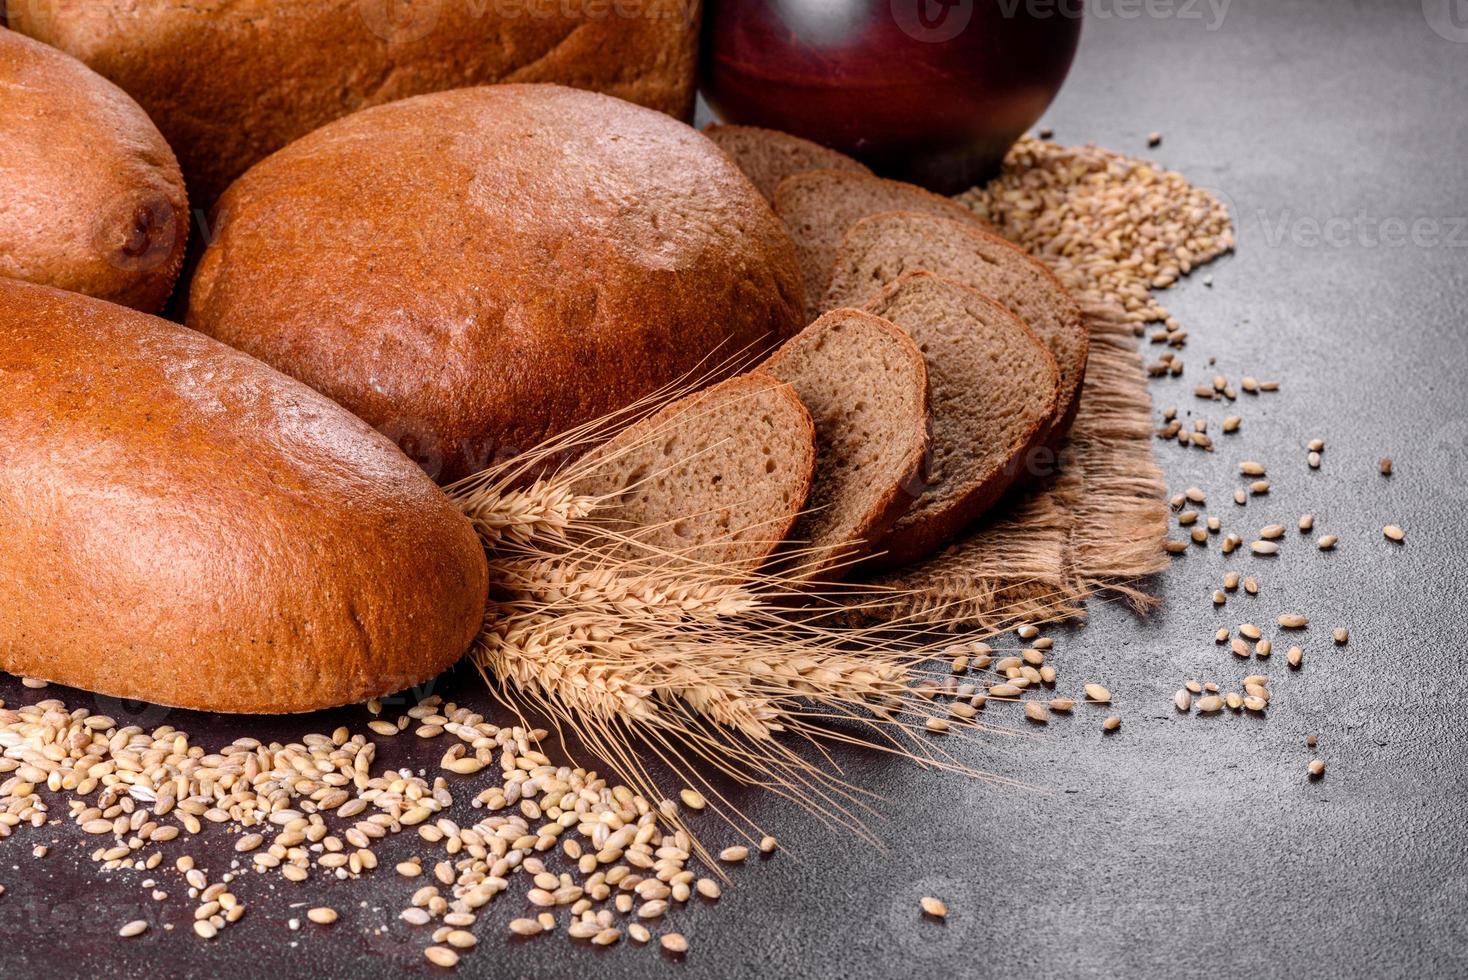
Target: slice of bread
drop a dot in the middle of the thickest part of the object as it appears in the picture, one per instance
(717, 476)
(879, 249)
(866, 387)
(994, 388)
(768, 156)
(820, 206)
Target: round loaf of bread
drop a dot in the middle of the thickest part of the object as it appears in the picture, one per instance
(186, 526)
(476, 270)
(92, 200)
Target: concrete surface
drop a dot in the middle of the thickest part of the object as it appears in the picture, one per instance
(1181, 846)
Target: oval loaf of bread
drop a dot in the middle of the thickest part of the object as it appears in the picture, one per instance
(882, 247)
(184, 525)
(231, 81)
(91, 199)
(477, 270)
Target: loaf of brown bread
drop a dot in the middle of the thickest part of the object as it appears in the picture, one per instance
(768, 156)
(820, 206)
(882, 247)
(91, 199)
(718, 476)
(474, 271)
(230, 82)
(186, 526)
(866, 386)
(995, 389)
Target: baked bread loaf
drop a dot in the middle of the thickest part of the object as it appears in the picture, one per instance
(768, 156)
(91, 200)
(882, 247)
(718, 476)
(866, 387)
(230, 82)
(186, 526)
(820, 206)
(994, 387)
(474, 271)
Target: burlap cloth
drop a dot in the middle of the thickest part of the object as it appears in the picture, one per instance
(1097, 525)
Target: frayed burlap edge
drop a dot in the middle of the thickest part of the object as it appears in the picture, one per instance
(1099, 525)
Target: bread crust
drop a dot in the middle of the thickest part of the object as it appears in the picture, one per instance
(230, 82)
(897, 498)
(816, 252)
(186, 526)
(925, 531)
(475, 271)
(1072, 368)
(93, 200)
(795, 155)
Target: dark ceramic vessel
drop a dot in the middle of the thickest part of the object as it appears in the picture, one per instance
(933, 91)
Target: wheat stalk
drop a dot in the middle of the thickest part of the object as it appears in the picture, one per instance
(705, 667)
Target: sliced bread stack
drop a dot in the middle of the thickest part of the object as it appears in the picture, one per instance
(820, 206)
(994, 393)
(942, 358)
(865, 384)
(767, 156)
(719, 476)
(879, 249)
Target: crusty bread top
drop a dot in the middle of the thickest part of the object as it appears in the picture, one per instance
(718, 476)
(474, 271)
(230, 82)
(880, 248)
(92, 199)
(820, 206)
(866, 387)
(186, 526)
(768, 156)
(995, 389)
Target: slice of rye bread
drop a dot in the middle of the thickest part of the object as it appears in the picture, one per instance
(820, 206)
(882, 247)
(768, 156)
(718, 476)
(865, 384)
(994, 388)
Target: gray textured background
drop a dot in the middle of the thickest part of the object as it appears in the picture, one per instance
(1180, 846)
